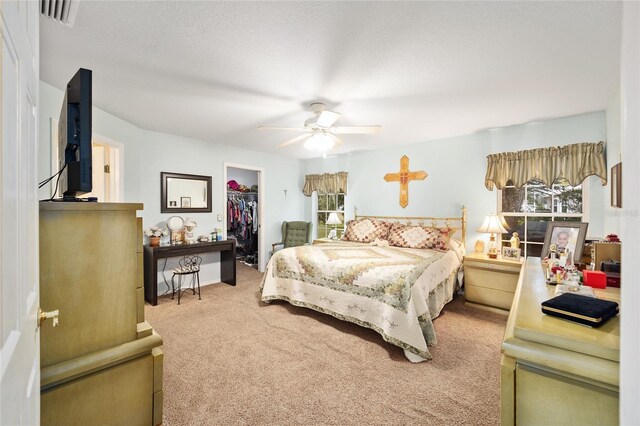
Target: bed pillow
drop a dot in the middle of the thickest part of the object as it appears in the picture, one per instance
(366, 230)
(458, 248)
(419, 237)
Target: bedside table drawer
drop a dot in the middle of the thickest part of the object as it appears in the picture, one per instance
(488, 296)
(511, 267)
(481, 277)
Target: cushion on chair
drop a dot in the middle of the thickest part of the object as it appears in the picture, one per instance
(186, 269)
(296, 233)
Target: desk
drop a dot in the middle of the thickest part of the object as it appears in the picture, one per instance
(227, 251)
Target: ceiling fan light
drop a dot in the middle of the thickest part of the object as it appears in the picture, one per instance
(320, 142)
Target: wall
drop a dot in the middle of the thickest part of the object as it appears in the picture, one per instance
(614, 155)
(590, 127)
(630, 225)
(456, 169)
(242, 176)
(147, 153)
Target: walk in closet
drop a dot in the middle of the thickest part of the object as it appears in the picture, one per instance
(242, 213)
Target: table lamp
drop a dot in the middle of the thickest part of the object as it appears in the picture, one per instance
(492, 225)
(333, 220)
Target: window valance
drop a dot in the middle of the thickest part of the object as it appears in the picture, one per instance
(328, 183)
(573, 162)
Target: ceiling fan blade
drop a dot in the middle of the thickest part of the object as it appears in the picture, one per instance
(336, 140)
(294, 140)
(327, 118)
(357, 129)
(300, 129)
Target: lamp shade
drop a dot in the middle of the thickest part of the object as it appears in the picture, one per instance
(333, 219)
(504, 223)
(492, 225)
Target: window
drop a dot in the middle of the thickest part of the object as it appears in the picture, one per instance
(526, 210)
(328, 203)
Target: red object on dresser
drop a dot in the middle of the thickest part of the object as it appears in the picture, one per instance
(595, 279)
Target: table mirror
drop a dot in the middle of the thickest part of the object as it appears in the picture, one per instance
(182, 193)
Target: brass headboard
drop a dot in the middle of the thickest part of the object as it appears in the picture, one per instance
(457, 223)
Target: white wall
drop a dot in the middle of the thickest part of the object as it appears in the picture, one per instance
(147, 153)
(614, 156)
(456, 168)
(630, 224)
(590, 127)
(242, 176)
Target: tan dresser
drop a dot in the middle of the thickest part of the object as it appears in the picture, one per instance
(490, 282)
(102, 364)
(554, 371)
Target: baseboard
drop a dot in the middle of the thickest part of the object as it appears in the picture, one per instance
(487, 308)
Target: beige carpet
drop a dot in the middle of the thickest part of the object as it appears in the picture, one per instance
(230, 359)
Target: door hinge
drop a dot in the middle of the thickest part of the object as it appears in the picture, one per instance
(107, 168)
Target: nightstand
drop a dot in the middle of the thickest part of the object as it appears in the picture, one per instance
(490, 282)
(323, 241)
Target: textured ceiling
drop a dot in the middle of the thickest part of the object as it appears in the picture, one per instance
(423, 70)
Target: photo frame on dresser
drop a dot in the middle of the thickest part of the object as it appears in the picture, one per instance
(510, 253)
(565, 235)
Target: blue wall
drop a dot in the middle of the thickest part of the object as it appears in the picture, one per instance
(456, 168)
(147, 153)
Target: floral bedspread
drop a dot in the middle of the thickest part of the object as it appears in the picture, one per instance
(394, 291)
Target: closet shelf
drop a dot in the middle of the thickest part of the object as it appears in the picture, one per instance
(240, 192)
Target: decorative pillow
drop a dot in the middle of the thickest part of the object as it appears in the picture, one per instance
(419, 237)
(366, 230)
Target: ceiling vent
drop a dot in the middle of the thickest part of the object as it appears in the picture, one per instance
(63, 11)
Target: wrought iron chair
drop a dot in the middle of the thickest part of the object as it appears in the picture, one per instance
(187, 266)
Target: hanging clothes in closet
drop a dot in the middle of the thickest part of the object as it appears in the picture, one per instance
(242, 224)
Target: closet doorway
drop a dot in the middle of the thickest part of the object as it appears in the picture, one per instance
(244, 212)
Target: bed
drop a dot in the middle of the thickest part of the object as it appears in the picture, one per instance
(396, 291)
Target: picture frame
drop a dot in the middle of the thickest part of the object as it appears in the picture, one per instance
(570, 235)
(616, 185)
(185, 202)
(510, 253)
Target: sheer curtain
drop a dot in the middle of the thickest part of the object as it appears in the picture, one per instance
(573, 162)
(328, 183)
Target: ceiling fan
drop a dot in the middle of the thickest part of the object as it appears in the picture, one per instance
(318, 130)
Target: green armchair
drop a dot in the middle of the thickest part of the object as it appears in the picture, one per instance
(294, 234)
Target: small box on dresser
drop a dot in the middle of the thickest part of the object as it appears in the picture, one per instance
(490, 282)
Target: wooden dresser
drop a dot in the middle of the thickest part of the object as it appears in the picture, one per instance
(102, 364)
(554, 371)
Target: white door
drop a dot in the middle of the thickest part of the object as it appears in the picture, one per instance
(107, 159)
(19, 338)
(100, 180)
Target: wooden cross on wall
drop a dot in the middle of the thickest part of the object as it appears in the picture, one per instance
(404, 177)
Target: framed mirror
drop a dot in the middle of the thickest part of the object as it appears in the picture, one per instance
(181, 193)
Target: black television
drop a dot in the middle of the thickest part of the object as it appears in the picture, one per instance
(74, 137)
